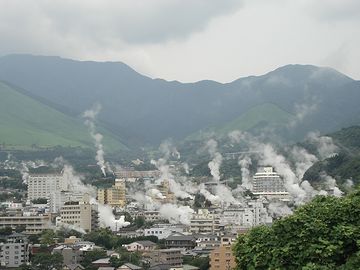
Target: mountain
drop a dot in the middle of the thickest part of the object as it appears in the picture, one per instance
(26, 123)
(291, 100)
(346, 164)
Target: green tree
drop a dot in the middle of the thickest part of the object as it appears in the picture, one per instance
(46, 261)
(91, 256)
(48, 237)
(323, 234)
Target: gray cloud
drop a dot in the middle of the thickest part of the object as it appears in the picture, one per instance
(113, 21)
(188, 40)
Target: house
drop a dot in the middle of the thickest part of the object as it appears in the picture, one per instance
(179, 240)
(140, 246)
(171, 256)
(129, 266)
(73, 267)
(104, 262)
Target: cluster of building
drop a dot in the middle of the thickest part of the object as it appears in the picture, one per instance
(210, 232)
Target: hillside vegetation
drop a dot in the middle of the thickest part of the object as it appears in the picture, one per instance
(145, 111)
(26, 123)
(345, 165)
(324, 234)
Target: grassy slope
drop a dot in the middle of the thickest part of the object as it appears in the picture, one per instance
(25, 121)
(265, 113)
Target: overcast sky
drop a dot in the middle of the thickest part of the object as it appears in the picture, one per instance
(188, 40)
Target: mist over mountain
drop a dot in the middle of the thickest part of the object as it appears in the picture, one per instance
(289, 101)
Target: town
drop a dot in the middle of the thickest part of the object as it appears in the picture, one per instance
(154, 230)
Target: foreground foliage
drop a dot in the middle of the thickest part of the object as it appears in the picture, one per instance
(323, 234)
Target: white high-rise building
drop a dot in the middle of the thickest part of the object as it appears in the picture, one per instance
(54, 187)
(267, 183)
(44, 185)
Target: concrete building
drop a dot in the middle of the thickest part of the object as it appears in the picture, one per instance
(172, 257)
(114, 196)
(54, 187)
(43, 185)
(266, 182)
(32, 224)
(204, 221)
(179, 240)
(15, 251)
(222, 257)
(140, 246)
(81, 214)
(162, 231)
(251, 214)
(137, 174)
(71, 254)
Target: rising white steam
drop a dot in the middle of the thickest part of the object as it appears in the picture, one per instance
(215, 163)
(325, 145)
(90, 117)
(245, 162)
(176, 214)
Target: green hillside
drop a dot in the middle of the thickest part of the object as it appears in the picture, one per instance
(25, 122)
(262, 115)
(266, 113)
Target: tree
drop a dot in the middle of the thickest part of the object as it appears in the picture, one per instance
(46, 261)
(323, 234)
(91, 256)
(39, 201)
(48, 237)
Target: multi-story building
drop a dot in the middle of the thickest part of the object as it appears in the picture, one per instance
(162, 231)
(222, 257)
(32, 224)
(114, 196)
(267, 183)
(15, 251)
(251, 214)
(54, 187)
(81, 214)
(43, 185)
(137, 174)
(204, 221)
(179, 240)
(172, 257)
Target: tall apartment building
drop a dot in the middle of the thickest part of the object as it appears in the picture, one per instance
(204, 221)
(81, 214)
(114, 196)
(15, 251)
(222, 257)
(267, 183)
(32, 224)
(44, 185)
(53, 187)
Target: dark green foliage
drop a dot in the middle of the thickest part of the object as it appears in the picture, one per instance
(125, 257)
(39, 201)
(202, 262)
(5, 231)
(91, 256)
(46, 261)
(105, 238)
(323, 234)
(48, 237)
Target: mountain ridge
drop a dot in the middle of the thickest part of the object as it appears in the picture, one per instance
(146, 111)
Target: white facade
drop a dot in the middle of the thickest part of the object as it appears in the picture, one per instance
(44, 185)
(204, 221)
(252, 214)
(53, 187)
(267, 183)
(162, 231)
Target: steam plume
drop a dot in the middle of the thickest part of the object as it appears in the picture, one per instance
(90, 116)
